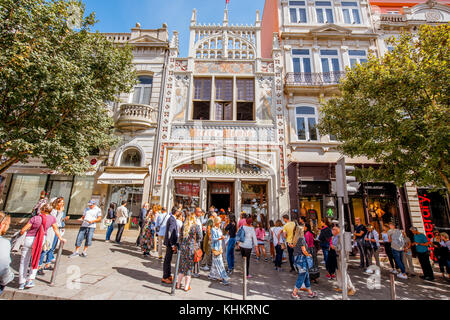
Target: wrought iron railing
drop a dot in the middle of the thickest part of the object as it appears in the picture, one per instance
(314, 79)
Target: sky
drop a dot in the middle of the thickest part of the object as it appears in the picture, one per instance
(122, 15)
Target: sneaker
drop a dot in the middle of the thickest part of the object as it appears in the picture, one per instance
(402, 276)
(328, 276)
(369, 271)
(205, 268)
(22, 286)
(333, 276)
(73, 255)
(41, 272)
(195, 275)
(29, 284)
(249, 276)
(394, 271)
(265, 259)
(53, 261)
(226, 282)
(83, 254)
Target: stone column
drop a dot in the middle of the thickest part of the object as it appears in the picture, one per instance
(203, 194)
(238, 198)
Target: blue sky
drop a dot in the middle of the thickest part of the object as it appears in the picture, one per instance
(122, 15)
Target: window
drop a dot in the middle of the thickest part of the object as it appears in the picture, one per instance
(357, 57)
(330, 65)
(350, 11)
(224, 102)
(324, 12)
(224, 99)
(302, 65)
(131, 158)
(245, 99)
(306, 124)
(24, 192)
(202, 99)
(298, 12)
(143, 91)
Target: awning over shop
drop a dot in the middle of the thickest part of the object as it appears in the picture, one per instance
(122, 178)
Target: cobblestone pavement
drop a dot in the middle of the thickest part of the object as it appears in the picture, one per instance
(120, 272)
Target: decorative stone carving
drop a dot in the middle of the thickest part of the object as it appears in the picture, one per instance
(265, 107)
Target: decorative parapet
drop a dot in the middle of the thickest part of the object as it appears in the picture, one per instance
(135, 117)
(314, 79)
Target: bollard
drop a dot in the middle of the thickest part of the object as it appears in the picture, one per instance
(55, 269)
(393, 295)
(176, 272)
(244, 293)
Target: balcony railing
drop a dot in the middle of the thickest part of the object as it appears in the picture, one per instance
(314, 79)
(136, 117)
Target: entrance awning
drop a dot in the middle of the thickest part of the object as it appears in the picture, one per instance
(122, 178)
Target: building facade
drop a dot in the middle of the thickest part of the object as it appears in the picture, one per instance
(222, 132)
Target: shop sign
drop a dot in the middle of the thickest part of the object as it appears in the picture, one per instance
(425, 205)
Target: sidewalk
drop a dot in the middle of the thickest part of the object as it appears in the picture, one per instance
(120, 272)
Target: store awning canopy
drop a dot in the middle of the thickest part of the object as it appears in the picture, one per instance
(122, 178)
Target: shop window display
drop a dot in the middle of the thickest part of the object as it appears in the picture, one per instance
(24, 192)
(81, 194)
(133, 196)
(311, 210)
(187, 193)
(382, 211)
(254, 201)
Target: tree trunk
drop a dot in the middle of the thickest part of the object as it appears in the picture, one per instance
(7, 164)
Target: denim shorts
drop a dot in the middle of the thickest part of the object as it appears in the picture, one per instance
(85, 233)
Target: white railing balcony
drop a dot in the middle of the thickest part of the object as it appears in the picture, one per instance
(134, 117)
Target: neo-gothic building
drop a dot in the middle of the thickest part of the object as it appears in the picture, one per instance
(222, 127)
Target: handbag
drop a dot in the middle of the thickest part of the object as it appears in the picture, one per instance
(198, 253)
(217, 252)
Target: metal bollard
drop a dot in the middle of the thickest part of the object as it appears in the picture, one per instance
(55, 269)
(393, 295)
(176, 272)
(244, 293)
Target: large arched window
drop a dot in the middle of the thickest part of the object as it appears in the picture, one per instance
(306, 120)
(131, 158)
(143, 90)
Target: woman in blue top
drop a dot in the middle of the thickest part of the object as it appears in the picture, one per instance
(218, 271)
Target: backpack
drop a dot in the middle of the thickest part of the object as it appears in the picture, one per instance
(398, 239)
(241, 235)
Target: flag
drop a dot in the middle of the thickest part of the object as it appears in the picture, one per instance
(227, 1)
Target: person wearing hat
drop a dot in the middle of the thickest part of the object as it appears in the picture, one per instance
(92, 214)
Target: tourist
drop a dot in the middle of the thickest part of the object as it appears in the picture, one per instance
(217, 268)
(6, 274)
(422, 250)
(122, 216)
(444, 263)
(288, 231)
(190, 233)
(243, 220)
(359, 236)
(324, 239)
(332, 259)
(199, 214)
(260, 235)
(142, 219)
(147, 234)
(231, 229)
(207, 257)
(160, 227)
(314, 273)
(372, 242)
(301, 262)
(279, 243)
(388, 249)
(170, 241)
(36, 230)
(48, 256)
(397, 244)
(110, 219)
(43, 199)
(92, 214)
(336, 246)
(156, 213)
(249, 243)
(407, 257)
(271, 246)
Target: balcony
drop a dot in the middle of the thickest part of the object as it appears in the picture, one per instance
(134, 117)
(314, 79)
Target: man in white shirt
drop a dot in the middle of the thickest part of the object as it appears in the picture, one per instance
(161, 223)
(121, 219)
(92, 214)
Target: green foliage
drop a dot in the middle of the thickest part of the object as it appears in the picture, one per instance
(54, 82)
(395, 110)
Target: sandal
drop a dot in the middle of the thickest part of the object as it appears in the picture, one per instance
(295, 296)
(188, 289)
(312, 295)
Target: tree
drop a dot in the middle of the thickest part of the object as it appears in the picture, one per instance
(395, 110)
(55, 81)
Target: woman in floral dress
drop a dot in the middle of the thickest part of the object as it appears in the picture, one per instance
(148, 234)
(190, 237)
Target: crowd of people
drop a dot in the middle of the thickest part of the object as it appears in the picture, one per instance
(209, 240)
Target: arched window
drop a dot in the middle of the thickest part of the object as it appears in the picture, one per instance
(143, 90)
(131, 158)
(306, 120)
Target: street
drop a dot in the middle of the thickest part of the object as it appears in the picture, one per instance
(120, 272)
